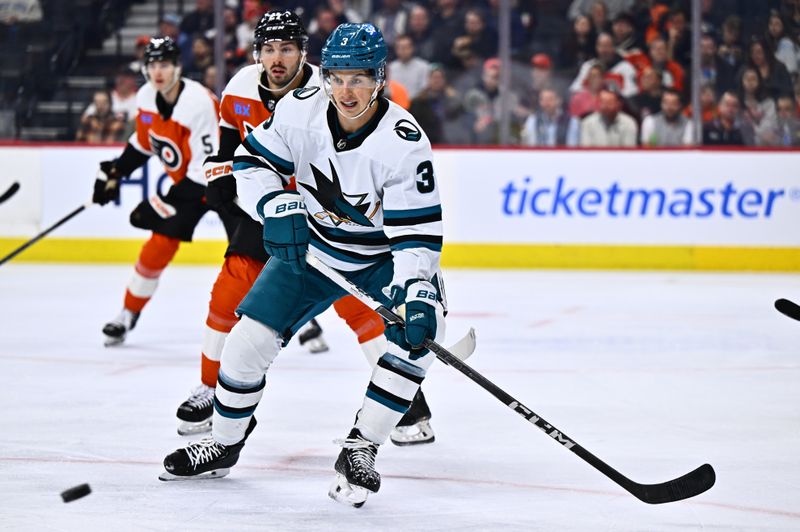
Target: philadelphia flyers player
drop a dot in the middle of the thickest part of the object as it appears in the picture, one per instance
(247, 101)
(176, 122)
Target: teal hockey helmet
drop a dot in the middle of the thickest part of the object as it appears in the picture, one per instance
(356, 47)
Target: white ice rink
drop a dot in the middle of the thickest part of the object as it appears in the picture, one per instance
(655, 373)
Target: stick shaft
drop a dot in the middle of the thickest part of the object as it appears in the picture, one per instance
(44, 233)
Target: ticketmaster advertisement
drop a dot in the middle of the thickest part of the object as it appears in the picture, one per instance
(522, 202)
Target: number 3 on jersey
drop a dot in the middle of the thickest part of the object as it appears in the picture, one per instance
(425, 177)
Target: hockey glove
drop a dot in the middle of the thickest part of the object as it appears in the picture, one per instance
(221, 185)
(106, 185)
(419, 297)
(285, 227)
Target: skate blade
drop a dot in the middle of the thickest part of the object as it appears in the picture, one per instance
(112, 341)
(188, 428)
(417, 434)
(316, 345)
(217, 473)
(346, 493)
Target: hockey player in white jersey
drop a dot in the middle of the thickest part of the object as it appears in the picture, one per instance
(366, 204)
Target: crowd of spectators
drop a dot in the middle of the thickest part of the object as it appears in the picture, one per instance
(619, 73)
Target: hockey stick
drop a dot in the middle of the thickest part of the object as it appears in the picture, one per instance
(44, 233)
(689, 485)
(788, 308)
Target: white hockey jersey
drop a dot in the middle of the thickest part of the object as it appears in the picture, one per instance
(180, 135)
(368, 194)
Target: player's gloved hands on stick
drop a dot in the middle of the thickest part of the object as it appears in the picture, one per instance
(221, 189)
(285, 228)
(419, 297)
(106, 185)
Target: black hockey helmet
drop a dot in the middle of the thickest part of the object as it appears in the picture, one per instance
(161, 49)
(280, 26)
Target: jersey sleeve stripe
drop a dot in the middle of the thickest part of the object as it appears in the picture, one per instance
(412, 220)
(252, 145)
(412, 213)
(415, 244)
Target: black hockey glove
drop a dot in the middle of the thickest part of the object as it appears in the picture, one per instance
(286, 231)
(221, 185)
(419, 298)
(106, 185)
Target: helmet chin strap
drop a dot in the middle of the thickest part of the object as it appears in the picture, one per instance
(261, 70)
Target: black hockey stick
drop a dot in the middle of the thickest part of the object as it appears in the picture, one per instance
(788, 308)
(689, 485)
(44, 233)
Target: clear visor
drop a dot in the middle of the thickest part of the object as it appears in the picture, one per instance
(346, 79)
(283, 49)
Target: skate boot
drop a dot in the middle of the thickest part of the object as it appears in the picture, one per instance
(195, 413)
(415, 427)
(116, 329)
(311, 334)
(204, 459)
(355, 471)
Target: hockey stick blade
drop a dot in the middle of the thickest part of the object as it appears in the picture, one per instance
(13, 189)
(788, 308)
(689, 485)
(464, 348)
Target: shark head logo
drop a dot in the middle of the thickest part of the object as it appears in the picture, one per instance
(329, 194)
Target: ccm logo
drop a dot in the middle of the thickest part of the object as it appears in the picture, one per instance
(218, 171)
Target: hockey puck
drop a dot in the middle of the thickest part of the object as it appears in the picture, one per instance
(81, 490)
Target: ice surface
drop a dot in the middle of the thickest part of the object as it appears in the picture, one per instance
(655, 373)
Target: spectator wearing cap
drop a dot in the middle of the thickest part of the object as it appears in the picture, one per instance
(669, 127)
(617, 70)
(726, 129)
(730, 49)
(623, 30)
(483, 101)
(608, 126)
(549, 125)
(578, 44)
(408, 69)
(439, 110)
(419, 30)
(251, 14)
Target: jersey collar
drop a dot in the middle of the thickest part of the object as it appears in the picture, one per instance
(165, 109)
(343, 141)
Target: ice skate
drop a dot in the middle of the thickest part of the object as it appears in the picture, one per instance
(194, 414)
(117, 329)
(356, 477)
(311, 337)
(415, 426)
(204, 459)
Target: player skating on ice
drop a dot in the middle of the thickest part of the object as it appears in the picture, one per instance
(249, 99)
(176, 122)
(367, 205)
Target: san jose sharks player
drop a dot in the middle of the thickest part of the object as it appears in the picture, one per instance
(279, 48)
(366, 204)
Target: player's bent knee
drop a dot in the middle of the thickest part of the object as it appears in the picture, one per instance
(249, 350)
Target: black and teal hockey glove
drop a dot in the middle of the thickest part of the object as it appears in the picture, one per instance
(285, 228)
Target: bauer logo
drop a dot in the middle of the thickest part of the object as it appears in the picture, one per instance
(562, 198)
